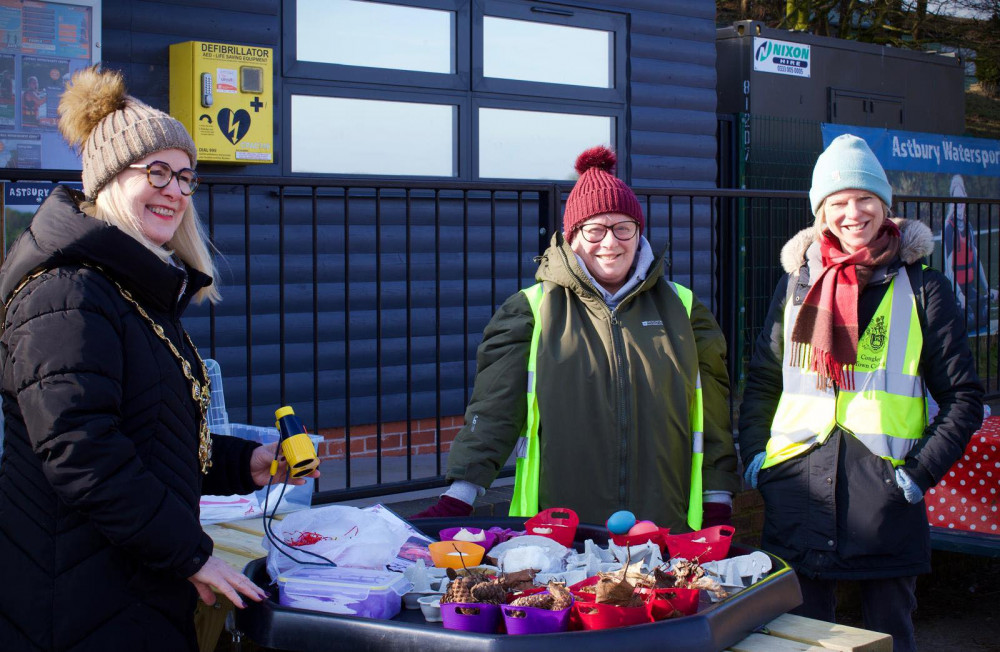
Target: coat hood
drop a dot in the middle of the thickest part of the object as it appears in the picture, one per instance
(61, 234)
(916, 242)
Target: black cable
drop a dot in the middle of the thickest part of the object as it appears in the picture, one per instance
(268, 521)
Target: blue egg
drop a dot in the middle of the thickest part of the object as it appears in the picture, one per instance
(621, 522)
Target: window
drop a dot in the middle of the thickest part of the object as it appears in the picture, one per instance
(516, 144)
(540, 52)
(340, 135)
(492, 89)
(374, 35)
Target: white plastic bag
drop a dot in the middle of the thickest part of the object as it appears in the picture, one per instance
(346, 536)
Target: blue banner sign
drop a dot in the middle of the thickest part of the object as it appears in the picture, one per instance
(921, 152)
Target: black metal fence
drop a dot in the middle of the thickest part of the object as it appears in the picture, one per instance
(362, 302)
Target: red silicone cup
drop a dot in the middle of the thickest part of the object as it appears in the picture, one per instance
(584, 596)
(595, 615)
(664, 603)
(658, 537)
(714, 547)
(561, 521)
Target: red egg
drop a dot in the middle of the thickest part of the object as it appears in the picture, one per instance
(643, 527)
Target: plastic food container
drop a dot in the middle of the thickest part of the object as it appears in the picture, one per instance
(710, 544)
(456, 554)
(342, 590)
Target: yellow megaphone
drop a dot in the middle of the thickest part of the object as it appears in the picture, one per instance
(295, 443)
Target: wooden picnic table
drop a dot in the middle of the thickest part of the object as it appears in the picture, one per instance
(239, 543)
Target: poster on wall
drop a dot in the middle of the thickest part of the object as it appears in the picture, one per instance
(966, 235)
(21, 200)
(41, 44)
(8, 95)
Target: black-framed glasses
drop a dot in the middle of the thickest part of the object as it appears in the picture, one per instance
(594, 233)
(159, 174)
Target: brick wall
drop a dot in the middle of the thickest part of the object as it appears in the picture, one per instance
(423, 439)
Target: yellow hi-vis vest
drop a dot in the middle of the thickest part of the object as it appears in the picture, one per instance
(886, 410)
(525, 499)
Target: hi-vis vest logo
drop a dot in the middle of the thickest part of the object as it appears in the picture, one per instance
(781, 57)
(877, 333)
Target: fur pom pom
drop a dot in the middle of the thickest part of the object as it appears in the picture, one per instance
(596, 157)
(90, 96)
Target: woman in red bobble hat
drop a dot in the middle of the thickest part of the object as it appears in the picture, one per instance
(607, 380)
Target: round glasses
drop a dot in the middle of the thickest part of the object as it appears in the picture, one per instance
(159, 174)
(594, 233)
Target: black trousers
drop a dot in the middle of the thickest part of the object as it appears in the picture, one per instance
(887, 606)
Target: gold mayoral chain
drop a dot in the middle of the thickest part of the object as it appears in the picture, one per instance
(200, 393)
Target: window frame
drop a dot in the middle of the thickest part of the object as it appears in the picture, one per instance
(539, 12)
(292, 68)
(466, 89)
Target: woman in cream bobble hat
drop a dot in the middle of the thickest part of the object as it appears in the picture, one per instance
(106, 448)
(833, 426)
(619, 355)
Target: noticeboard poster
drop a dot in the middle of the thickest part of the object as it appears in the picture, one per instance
(966, 235)
(21, 200)
(41, 44)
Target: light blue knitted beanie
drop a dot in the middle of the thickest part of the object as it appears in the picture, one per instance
(848, 163)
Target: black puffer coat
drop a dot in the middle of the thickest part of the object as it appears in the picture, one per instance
(836, 512)
(99, 480)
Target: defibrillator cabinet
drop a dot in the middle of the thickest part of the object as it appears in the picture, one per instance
(224, 95)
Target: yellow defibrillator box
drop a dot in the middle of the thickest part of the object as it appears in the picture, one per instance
(224, 95)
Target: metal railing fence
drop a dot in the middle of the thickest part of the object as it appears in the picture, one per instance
(362, 301)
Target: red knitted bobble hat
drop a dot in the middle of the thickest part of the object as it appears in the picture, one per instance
(598, 191)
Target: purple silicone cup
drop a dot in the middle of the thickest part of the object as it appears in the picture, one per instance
(535, 620)
(484, 622)
(448, 534)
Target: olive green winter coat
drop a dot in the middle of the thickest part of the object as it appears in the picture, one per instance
(614, 390)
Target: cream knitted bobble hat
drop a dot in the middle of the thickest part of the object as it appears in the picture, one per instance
(113, 129)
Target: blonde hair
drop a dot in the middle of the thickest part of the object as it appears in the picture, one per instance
(190, 241)
(819, 225)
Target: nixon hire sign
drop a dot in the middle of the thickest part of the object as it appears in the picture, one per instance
(780, 57)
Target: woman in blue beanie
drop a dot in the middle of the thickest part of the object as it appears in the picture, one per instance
(833, 428)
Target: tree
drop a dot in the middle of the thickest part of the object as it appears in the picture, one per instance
(900, 23)
(982, 32)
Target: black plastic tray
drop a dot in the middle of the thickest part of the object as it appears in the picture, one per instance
(715, 627)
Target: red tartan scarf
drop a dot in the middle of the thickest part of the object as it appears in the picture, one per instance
(825, 334)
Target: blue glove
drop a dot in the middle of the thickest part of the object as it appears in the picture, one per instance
(909, 487)
(750, 474)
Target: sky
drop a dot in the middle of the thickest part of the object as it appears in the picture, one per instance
(949, 7)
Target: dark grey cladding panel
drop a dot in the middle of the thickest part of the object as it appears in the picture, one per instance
(670, 142)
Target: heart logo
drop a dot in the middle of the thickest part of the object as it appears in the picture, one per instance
(234, 126)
